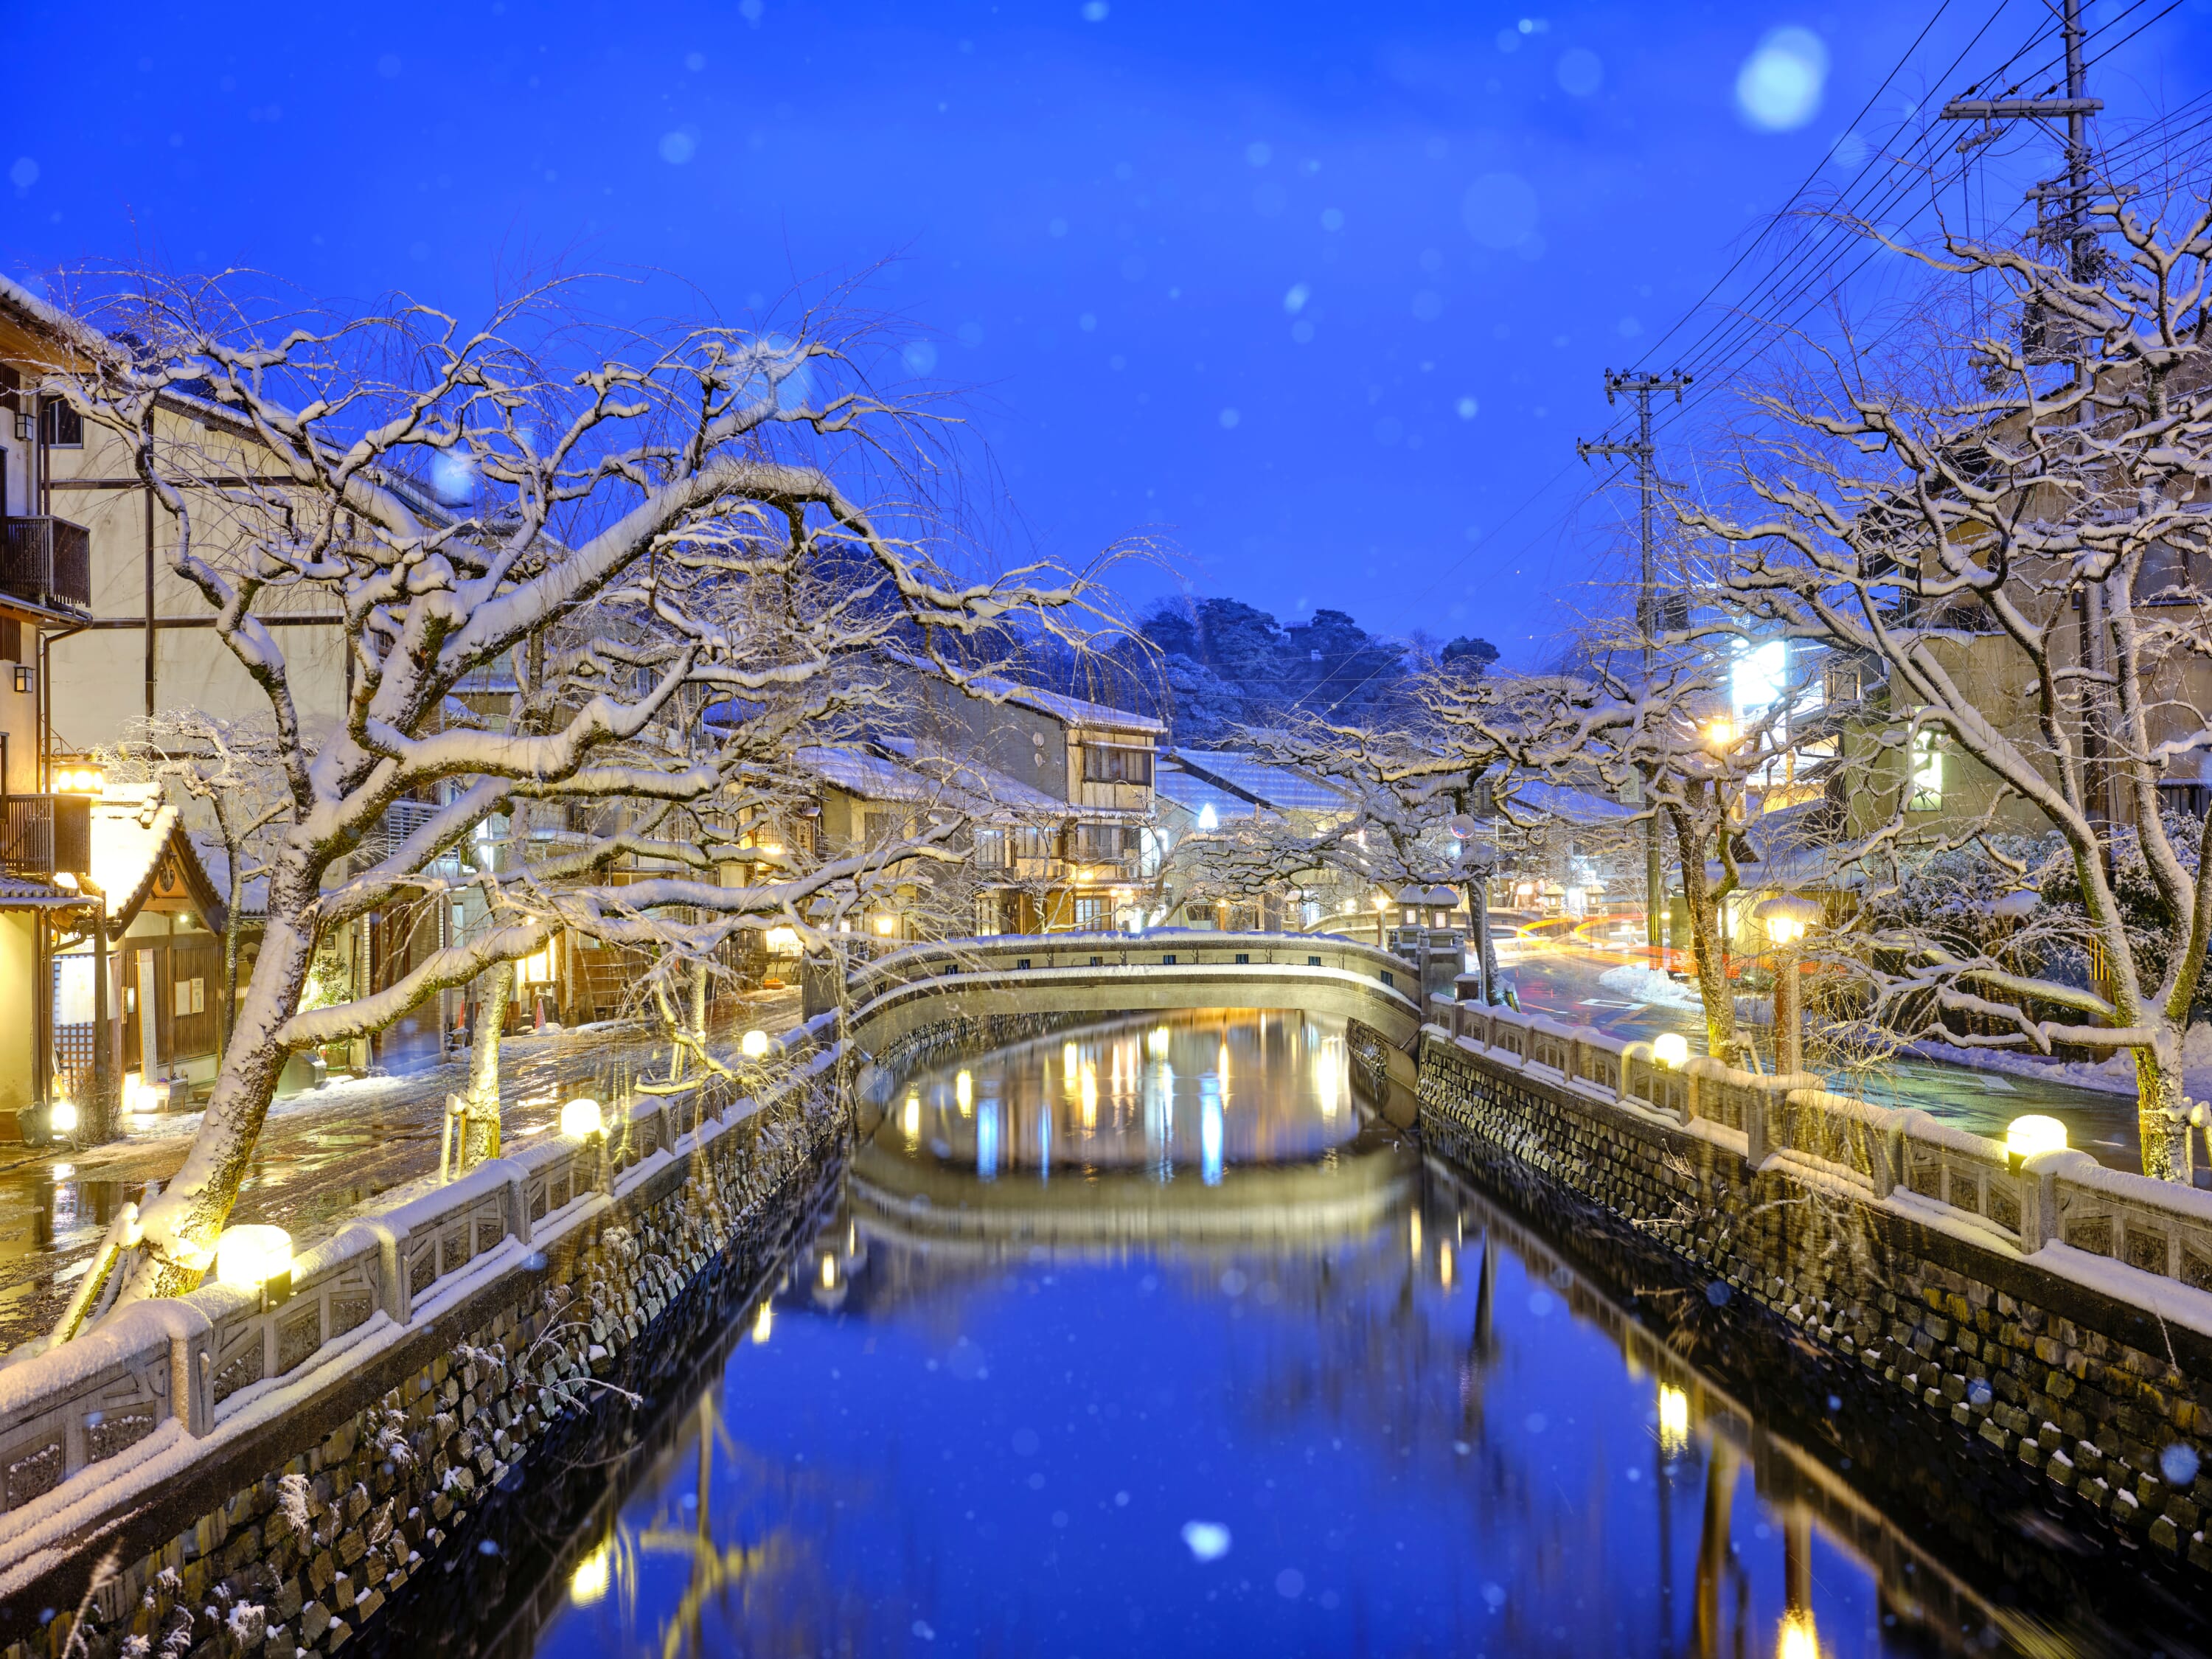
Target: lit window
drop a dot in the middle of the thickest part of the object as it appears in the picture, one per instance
(1927, 774)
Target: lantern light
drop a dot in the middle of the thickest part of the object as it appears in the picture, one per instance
(754, 1045)
(782, 941)
(61, 1117)
(2027, 1136)
(1799, 1639)
(581, 1119)
(251, 1256)
(1670, 1049)
(886, 925)
(1786, 918)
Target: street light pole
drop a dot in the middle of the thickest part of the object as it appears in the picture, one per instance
(1641, 385)
(1787, 921)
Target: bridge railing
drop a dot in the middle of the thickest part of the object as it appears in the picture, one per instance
(1020, 953)
(2061, 1198)
(203, 1360)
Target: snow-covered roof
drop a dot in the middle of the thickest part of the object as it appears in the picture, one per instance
(892, 770)
(972, 777)
(1279, 786)
(1193, 794)
(134, 827)
(1073, 711)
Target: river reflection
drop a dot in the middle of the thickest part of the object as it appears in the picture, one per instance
(1151, 1339)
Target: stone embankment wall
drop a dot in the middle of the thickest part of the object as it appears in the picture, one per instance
(2056, 1311)
(304, 1483)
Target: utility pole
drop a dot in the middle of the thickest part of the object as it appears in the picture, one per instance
(1641, 385)
(2076, 108)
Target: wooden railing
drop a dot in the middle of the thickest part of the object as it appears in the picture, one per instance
(40, 835)
(47, 561)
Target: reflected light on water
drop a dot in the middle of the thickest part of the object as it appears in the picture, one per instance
(1157, 1042)
(1209, 1131)
(1089, 1096)
(588, 1582)
(1444, 1265)
(762, 1321)
(964, 1089)
(910, 1122)
(1413, 1234)
(1674, 1420)
(1798, 1640)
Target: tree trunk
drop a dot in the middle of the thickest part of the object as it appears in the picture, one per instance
(2162, 1113)
(226, 1015)
(483, 1136)
(180, 1226)
(1722, 1041)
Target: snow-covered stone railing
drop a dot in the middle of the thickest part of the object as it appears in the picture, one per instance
(200, 1359)
(1903, 1157)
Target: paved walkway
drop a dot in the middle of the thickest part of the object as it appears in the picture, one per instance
(322, 1155)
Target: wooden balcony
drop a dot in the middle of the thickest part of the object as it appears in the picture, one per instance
(42, 834)
(46, 563)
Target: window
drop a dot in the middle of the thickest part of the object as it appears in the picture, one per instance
(1313, 962)
(1092, 913)
(990, 849)
(1110, 763)
(1104, 843)
(1843, 683)
(11, 638)
(1030, 844)
(64, 427)
(1927, 774)
(2173, 576)
(888, 826)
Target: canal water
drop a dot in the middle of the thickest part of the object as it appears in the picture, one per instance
(1152, 1338)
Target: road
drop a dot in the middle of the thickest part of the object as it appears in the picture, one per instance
(322, 1155)
(1560, 974)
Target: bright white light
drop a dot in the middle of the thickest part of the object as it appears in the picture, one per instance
(1670, 1049)
(581, 1119)
(1799, 1639)
(764, 1323)
(1207, 1540)
(910, 1118)
(1207, 819)
(1779, 87)
(1157, 1042)
(964, 1088)
(2027, 1136)
(249, 1256)
(62, 1118)
(1756, 676)
(1209, 1132)
(754, 1044)
(782, 941)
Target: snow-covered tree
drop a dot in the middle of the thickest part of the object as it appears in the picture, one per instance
(685, 548)
(1997, 515)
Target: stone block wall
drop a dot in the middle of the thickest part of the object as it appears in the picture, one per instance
(303, 1557)
(2074, 1378)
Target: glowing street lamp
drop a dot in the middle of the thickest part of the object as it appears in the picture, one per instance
(1670, 1049)
(581, 1119)
(754, 1044)
(255, 1258)
(1787, 920)
(2027, 1136)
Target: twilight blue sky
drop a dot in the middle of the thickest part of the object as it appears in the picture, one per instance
(1320, 294)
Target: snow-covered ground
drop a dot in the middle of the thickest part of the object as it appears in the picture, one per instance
(1641, 984)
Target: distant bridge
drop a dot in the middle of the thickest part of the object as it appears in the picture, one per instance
(1161, 971)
